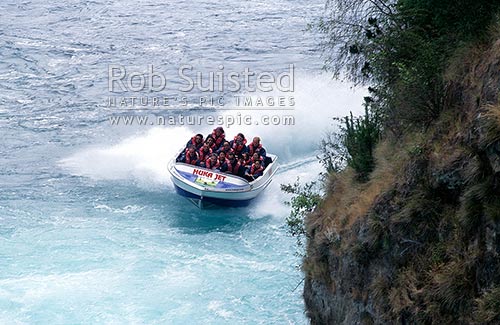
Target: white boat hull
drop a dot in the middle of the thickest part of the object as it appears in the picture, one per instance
(203, 186)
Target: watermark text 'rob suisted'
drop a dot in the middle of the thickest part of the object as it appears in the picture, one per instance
(121, 79)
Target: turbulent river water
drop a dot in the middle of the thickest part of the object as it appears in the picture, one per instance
(91, 229)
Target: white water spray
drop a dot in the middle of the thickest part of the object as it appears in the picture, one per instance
(143, 159)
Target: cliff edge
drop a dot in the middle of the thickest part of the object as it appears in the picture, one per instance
(420, 241)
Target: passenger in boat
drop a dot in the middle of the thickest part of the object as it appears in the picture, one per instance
(222, 161)
(196, 141)
(226, 148)
(254, 171)
(256, 157)
(256, 146)
(234, 166)
(246, 160)
(204, 152)
(192, 157)
(238, 144)
(219, 136)
(212, 162)
(211, 142)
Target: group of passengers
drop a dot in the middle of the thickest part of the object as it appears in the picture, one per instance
(233, 157)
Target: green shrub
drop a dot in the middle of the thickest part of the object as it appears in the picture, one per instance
(360, 135)
(352, 144)
(304, 199)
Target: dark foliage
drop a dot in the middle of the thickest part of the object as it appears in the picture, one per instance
(401, 48)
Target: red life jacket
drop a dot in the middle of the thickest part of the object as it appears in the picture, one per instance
(260, 158)
(238, 147)
(233, 169)
(247, 162)
(254, 171)
(213, 146)
(218, 139)
(251, 148)
(196, 145)
(226, 151)
(192, 160)
(222, 162)
(208, 164)
(204, 154)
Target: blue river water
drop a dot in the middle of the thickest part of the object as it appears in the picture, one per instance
(91, 229)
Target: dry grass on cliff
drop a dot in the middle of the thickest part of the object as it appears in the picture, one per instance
(493, 112)
(349, 200)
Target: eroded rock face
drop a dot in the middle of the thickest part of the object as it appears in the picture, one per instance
(493, 154)
(428, 250)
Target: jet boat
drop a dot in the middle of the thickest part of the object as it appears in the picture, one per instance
(205, 187)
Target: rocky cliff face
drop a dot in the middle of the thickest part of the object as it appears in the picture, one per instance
(420, 242)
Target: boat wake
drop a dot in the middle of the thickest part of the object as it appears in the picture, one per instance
(306, 161)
